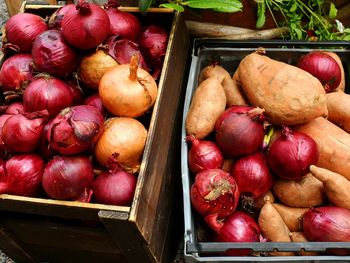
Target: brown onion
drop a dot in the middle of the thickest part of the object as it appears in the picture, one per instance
(93, 66)
(125, 137)
(127, 90)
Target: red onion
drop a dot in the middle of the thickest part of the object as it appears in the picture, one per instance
(238, 227)
(214, 192)
(323, 67)
(3, 148)
(16, 72)
(78, 95)
(291, 154)
(23, 175)
(21, 30)
(22, 132)
(252, 176)
(47, 93)
(203, 155)
(123, 50)
(55, 21)
(95, 101)
(115, 187)
(327, 224)
(15, 108)
(76, 129)
(153, 44)
(123, 24)
(44, 147)
(53, 55)
(239, 131)
(69, 178)
(78, 28)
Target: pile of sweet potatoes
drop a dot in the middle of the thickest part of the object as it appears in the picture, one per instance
(289, 97)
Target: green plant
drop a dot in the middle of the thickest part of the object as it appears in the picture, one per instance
(306, 20)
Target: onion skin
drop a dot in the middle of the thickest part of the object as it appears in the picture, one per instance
(93, 66)
(327, 224)
(214, 192)
(291, 155)
(75, 129)
(68, 178)
(125, 137)
(53, 55)
(95, 101)
(16, 72)
(78, 30)
(127, 91)
(3, 147)
(22, 29)
(47, 93)
(203, 155)
(55, 21)
(23, 175)
(15, 108)
(239, 131)
(252, 175)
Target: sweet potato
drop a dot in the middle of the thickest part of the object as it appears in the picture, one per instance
(207, 104)
(233, 92)
(335, 186)
(341, 86)
(268, 197)
(288, 95)
(273, 227)
(290, 215)
(306, 192)
(338, 104)
(333, 144)
(300, 237)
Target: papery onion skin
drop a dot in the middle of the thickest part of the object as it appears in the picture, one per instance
(239, 131)
(114, 188)
(23, 175)
(45, 148)
(16, 72)
(125, 137)
(93, 66)
(78, 30)
(323, 67)
(75, 129)
(291, 155)
(47, 93)
(53, 55)
(68, 177)
(127, 91)
(3, 147)
(15, 108)
(252, 175)
(214, 192)
(95, 101)
(123, 24)
(203, 155)
(22, 29)
(55, 21)
(22, 132)
(238, 227)
(327, 224)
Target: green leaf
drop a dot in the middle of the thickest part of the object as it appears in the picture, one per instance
(294, 7)
(211, 4)
(173, 6)
(227, 9)
(260, 22)
(144, 5)
(332, 11)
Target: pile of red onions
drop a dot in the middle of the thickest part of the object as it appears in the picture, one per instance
(203, 155)
(239, 131)
(291, 154)
(323, 67)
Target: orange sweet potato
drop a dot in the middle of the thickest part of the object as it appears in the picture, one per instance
(338, 104)
(268, 197)
(290, 215)
(288, 95)
(333, 144)
(208, 102)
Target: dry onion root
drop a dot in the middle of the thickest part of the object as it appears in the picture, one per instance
(125, 137)
(127, 90)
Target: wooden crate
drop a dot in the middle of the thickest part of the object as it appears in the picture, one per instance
(44, 230)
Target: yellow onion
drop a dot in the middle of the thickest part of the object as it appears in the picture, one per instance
(124, 137)
(93, 66)
(127, 90)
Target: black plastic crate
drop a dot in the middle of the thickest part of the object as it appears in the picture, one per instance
(228, 54)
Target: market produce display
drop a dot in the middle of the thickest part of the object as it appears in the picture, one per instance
(77, 95)
(270, 166)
